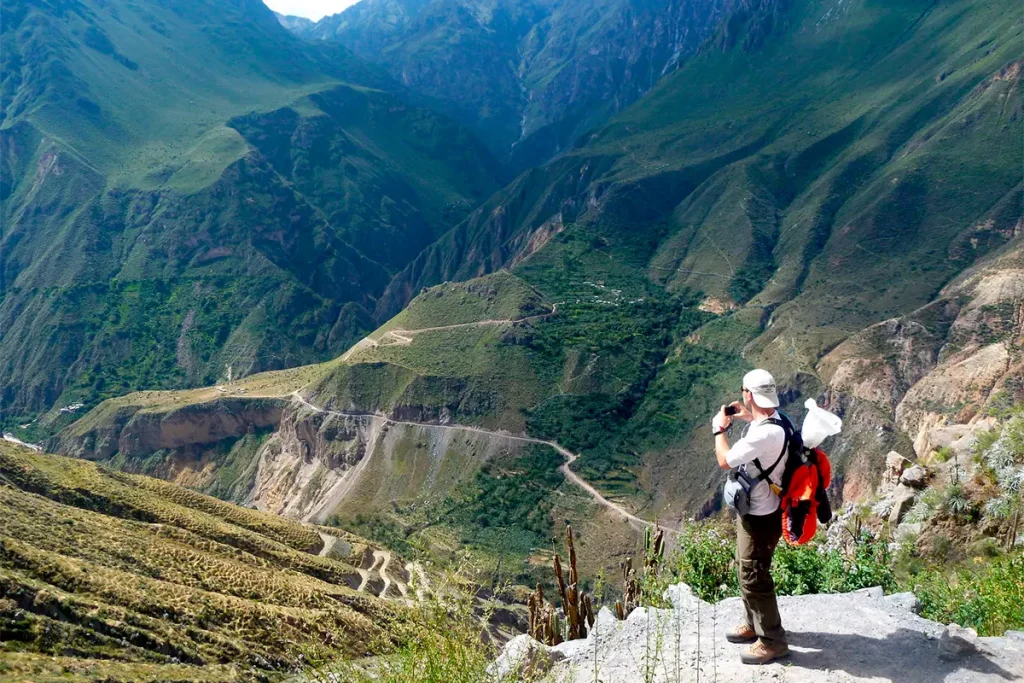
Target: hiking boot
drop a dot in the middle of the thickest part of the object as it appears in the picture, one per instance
(762, 653)
(741, 634)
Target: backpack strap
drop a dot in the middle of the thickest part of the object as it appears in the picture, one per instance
(765, 473)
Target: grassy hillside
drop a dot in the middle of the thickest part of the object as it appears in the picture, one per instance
(126, 578)
(456, 347)
(191, 194)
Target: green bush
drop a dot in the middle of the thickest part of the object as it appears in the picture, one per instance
(799, 570)
(705, 562)
(989, 599)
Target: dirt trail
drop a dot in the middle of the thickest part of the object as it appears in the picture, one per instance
(382, 560)
(329, 543)
(565, 468)
(404, 337)
(385, 561)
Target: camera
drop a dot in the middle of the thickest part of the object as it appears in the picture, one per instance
(731, 410)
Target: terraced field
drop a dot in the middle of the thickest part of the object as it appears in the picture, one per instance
(110, 576)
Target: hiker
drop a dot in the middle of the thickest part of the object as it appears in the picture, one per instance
(761, 452)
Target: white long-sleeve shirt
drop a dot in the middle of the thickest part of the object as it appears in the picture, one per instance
(763, 442)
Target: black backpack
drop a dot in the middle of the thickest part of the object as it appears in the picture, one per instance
(798, 455)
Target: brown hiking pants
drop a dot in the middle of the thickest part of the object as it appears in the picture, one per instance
(756, 538)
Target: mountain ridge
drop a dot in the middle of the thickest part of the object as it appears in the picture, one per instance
(528, 77)
(153, 244)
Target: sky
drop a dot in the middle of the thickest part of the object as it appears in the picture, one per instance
(314, 9)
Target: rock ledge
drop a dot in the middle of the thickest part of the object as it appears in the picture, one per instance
(853, 637)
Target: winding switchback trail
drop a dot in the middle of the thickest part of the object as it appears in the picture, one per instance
(565, 469)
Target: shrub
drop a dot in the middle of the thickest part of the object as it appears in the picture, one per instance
(957, 504)
(928, 503)
(989, 599)
(811, 568)
(705, 562)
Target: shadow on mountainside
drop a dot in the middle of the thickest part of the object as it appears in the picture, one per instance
(905, 655)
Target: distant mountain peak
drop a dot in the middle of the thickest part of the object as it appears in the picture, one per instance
(298, 25)
(529, 76)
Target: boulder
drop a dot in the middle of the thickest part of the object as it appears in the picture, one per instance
(957, 641)
(908, 531)
(523, 658)
(907, 602)
(894, 466)
(902, 501)
(943, 437)
(915, 477)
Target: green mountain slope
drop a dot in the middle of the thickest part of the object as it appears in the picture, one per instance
(190, 193)
(817, 169)
(527, 76)
(125, 578)
(410, 436)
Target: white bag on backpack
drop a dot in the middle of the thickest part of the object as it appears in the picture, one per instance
(819, 424)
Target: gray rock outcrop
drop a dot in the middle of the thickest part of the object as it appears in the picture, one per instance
(902, 501)
(895, 464)
(848, 638)
(915, 477)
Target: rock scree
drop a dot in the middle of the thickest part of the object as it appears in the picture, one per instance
(844, 638)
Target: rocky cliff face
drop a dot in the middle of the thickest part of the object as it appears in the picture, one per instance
(904, 379)
(528, 76)
(135, 433)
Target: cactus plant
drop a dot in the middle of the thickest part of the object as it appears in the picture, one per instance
(543, 619)
(632, 590)
(576, 606)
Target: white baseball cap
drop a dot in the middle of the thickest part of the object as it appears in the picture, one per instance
(761, 386)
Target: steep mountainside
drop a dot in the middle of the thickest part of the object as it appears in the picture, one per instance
(297, 25)
(903, 382)
(527, 76)
(189, 193)
(407, 435)
(831, 167)
(106, 576)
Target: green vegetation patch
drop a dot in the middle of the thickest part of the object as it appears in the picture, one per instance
(500, 296)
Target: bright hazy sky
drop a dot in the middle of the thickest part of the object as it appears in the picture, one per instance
(314, 9)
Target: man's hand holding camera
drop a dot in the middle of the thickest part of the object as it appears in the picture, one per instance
(724, 417)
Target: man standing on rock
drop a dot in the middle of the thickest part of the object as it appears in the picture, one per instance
(762, 454)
